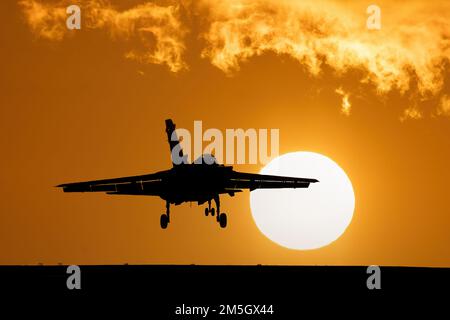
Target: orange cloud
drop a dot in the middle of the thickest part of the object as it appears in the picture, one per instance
(345, 106)
(158, 28)
(408, 52)
(411, 113)
(45, 20)
(444, 106)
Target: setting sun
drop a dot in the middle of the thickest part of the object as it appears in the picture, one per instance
(304, 218)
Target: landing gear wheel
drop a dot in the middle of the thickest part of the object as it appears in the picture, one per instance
(213, 212)
(206, 211)
(164, 221)
(223, 220)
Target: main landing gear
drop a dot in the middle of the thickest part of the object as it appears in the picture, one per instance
(165, 217)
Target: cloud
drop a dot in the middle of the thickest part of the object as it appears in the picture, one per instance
(345, 106)
(158, 28)
(411, 113)
(45, 20)
(444, 106)
(408, 53)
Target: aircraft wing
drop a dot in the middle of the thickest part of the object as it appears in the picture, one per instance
(252, 181)
(149, 184)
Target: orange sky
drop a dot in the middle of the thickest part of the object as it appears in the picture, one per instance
(91, 104)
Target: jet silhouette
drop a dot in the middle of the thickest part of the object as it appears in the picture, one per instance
(197, 182)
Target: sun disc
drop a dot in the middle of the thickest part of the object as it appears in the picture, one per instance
(308, 218)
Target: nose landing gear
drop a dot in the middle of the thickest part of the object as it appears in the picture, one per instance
(210, 210)
(221, 218)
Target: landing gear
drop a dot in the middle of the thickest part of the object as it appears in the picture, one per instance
(164, 221)
(223, 220)
(210, 210)
(221, 217)
(165, 217)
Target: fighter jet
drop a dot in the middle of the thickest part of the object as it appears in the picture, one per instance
(200, 181)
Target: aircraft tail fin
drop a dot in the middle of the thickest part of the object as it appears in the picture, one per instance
(176, 152)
